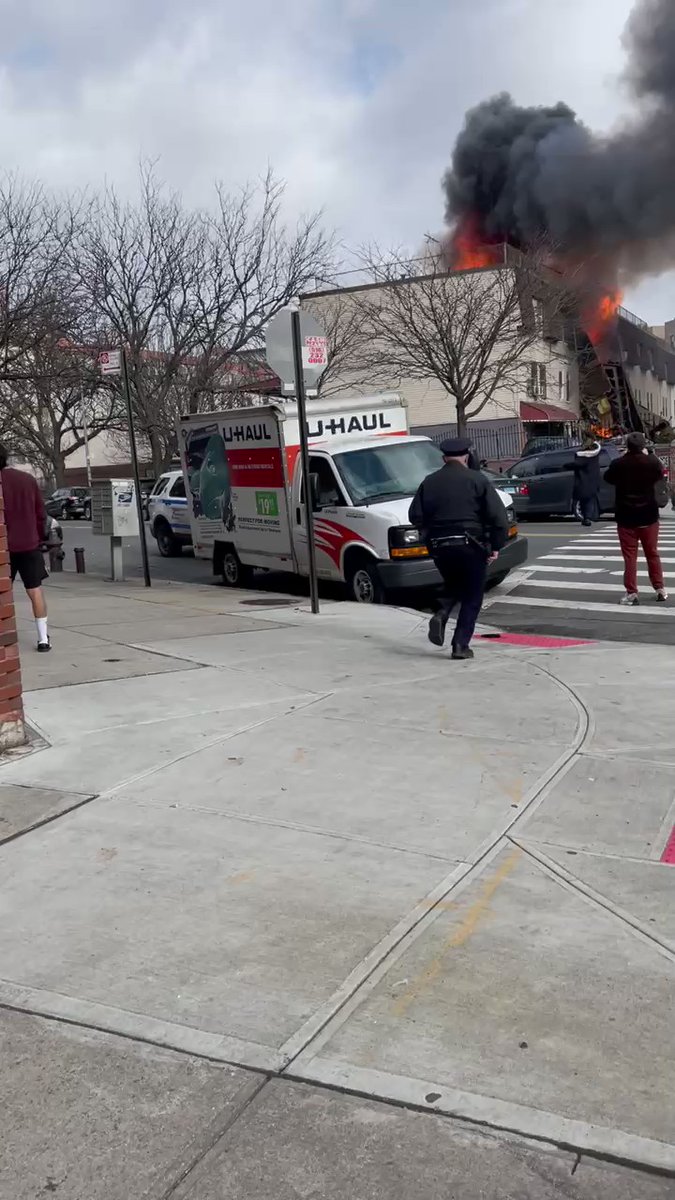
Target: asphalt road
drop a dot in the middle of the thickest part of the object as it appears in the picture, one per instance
(570, 586)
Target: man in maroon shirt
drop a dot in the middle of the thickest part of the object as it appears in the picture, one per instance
(26, 518)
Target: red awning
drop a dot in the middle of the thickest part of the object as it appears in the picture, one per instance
(530, 411)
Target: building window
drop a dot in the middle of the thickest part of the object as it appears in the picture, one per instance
(537, 382)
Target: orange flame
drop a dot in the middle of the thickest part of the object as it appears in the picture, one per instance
(601, 317)
(469, 252)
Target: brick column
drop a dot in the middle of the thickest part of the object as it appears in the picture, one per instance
(12, 729)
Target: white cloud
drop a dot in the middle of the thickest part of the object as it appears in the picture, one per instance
(355, 102)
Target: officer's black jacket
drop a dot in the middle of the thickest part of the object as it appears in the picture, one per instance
(458, 500)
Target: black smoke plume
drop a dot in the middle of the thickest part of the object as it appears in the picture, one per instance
(525, 175)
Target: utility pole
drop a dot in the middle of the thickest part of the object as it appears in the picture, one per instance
(134, 464)
(85, 434)
(304, 454)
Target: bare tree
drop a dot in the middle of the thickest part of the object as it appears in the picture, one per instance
(137, 269)
(186, 292)
(46, 399)
(475, 331)
(254, 265)
(340, 316)
(41, 386)
(35, 230)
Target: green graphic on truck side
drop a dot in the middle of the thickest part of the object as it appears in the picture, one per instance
(267, 504)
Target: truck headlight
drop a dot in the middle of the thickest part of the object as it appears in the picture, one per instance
(406, 542)
(511, 518)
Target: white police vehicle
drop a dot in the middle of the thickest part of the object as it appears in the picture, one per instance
(168, 514)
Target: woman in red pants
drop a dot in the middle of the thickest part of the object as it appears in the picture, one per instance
(634, 477)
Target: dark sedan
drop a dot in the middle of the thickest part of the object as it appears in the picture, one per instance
(70, 504)
(542, 484)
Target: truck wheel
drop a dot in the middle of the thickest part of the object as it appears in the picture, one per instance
(235, 574)
(167, 544)
(363, 581)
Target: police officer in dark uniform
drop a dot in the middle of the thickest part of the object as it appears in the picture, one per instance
(464, 525)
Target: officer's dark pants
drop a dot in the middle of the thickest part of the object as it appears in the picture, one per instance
(463, 569)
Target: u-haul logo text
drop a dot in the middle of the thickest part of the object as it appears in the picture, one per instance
(247, 433)
(366, 423)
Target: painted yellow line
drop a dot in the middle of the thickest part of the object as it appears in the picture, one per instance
(470, 922)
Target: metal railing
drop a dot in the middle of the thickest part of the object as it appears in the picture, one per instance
(494, 444)
(630, 316)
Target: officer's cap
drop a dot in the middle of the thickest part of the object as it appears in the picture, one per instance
(455, 447)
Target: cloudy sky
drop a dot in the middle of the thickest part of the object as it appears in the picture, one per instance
(356, 103)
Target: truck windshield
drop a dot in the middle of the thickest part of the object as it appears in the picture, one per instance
(387, 472)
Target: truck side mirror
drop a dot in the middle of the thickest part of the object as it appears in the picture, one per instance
(314, 490)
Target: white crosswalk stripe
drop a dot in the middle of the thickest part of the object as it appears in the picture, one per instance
(608, 558)
(589, 606)
(585, 574)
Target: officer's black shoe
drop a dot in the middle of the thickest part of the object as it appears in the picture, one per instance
(461, 652)
(437, 626)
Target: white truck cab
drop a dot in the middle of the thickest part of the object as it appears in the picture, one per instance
(246, 495)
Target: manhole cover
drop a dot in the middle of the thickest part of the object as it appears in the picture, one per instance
(268, 603)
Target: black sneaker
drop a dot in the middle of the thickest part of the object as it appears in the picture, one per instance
(462, 652)
(437, 626)
(44, 647)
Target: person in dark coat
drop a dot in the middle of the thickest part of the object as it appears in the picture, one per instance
(634, 477)
(586, 491)
(464, 524)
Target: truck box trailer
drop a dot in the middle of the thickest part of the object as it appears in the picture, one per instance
(246, 495)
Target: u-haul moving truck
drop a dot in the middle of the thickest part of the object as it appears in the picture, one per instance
(246, 497)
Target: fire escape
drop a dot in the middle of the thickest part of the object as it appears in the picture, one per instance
(608, 402)
(624, 408)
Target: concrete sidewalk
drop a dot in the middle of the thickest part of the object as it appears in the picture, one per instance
(255, 858)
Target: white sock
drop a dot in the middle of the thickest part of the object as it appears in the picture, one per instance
(43, 636)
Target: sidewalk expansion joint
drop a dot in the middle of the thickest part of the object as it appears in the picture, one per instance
(571, 882)
(208, 1143)
(580, 1147)
(330, 1016)
(42, 821)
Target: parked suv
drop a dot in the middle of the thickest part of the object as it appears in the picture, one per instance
(542, 484)
(70, 503)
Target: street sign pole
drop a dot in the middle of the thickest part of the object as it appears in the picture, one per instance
(85, 434)
(134, 464)
(304, 454)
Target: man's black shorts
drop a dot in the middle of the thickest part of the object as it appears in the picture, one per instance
(29, 565)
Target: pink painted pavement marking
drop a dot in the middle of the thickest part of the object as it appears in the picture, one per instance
(668, 855)
(530, 639)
